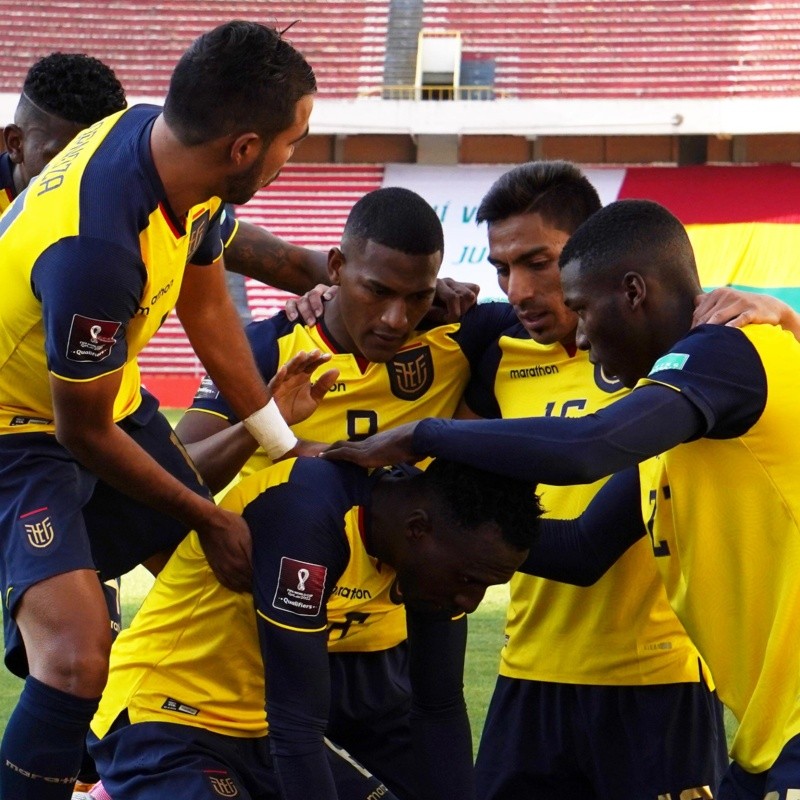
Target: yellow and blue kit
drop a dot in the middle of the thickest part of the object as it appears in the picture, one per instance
(425, 378)
(575, 656)
(721, 507)
(198, 654)
(79, 298)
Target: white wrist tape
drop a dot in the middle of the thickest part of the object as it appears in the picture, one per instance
(269, 429)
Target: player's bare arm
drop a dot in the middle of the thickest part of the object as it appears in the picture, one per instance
(210, 320)
(389, 447)
(735, 308)
(220, 450)
(258, 254)
(85, 426)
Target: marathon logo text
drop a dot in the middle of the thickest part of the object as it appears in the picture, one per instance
(534, 372)
(351, 592)
(300, 587)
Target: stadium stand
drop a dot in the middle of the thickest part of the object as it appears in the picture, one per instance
(629, 48)
(345, 40)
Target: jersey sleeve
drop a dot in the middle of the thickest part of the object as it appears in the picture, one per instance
(263, 337)
(210, 248)
(718, 387)
(565, 451)
(299, 552)
(228, 225)
(441, 735)
(90, 290)
(479, 394)
(580, 551)
(719, 371)
(481, 326)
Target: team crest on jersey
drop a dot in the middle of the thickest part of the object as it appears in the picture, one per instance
(91, 339)
(300, 587)
(411, 373)
(603, 382)
(38, 530)
(196, 234)
(224, 787)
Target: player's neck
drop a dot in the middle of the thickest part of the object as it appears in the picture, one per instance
(182, 174)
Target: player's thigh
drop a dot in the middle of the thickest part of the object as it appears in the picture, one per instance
(124, 532)
(353, 780)
(153, 761)
(527, 749)
(42, 535)
(668, 740)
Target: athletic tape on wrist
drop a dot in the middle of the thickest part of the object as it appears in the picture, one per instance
(270, 430)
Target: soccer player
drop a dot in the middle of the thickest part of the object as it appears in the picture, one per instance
(721, 503)
(390, 370)
(133, 208)
(183, 710)
(581, 662)
(63, 93)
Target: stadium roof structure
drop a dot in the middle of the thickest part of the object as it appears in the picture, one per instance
(561, 66)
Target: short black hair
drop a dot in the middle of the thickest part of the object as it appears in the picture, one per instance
(75, 87)
(241, 76)
(396, 218)
(557, 190)
(473, 497)
(634, 234)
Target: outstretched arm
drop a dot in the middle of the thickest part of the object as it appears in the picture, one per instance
(544, 449)
(580, 551)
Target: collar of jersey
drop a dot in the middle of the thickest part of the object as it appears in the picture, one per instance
(336, 348)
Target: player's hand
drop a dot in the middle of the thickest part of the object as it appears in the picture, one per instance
(451, 301)
(726, 306)
(390, 447)
(295, 393)
(307, 448)
(228, 547)
(311, 305)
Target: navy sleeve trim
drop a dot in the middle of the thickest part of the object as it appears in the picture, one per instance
(720, 371)
(89, 289)
(581, 551)
(565, 451)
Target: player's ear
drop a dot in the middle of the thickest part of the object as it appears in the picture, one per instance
(336, 261)
(14, 138)
(635, 288)
(245, 148)
(418, 524)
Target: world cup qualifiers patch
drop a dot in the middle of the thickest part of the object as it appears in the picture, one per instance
(670, 361)
(300, 587)
(91, 339)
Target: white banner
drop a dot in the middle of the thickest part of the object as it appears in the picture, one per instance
(455, 192)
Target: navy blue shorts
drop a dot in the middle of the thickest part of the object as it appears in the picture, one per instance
(56, 517)
(575, 742)
(369, 714)
(780, 782)
(156, 760)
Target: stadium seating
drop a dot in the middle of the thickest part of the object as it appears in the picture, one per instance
(629, 48)
(345, 40)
